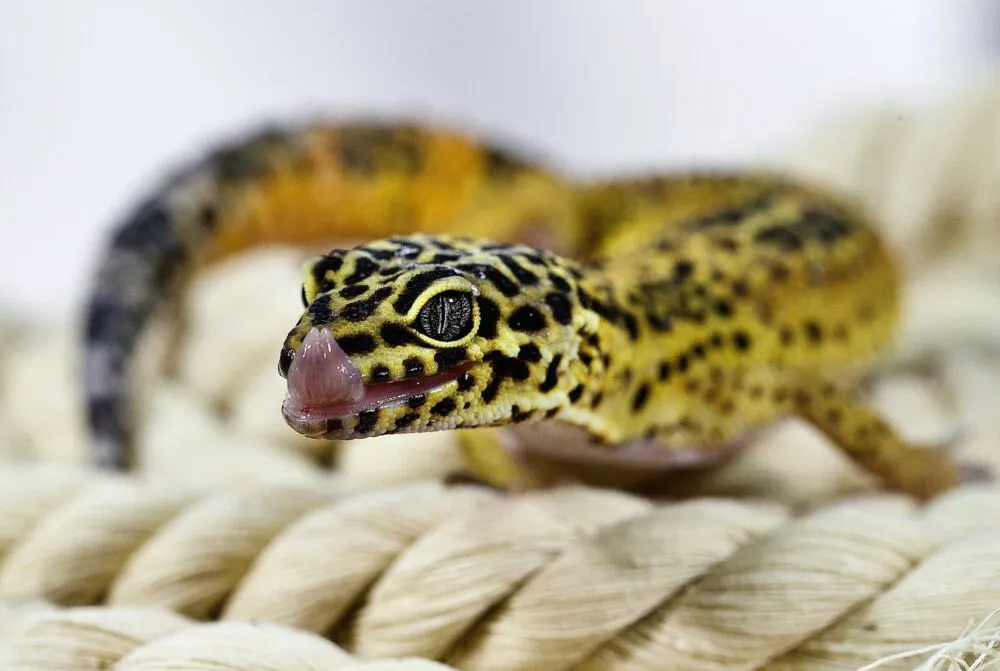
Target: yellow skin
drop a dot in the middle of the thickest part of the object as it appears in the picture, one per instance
(667, 317)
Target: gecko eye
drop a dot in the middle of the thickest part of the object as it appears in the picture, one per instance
(305, 300)
(446, 316)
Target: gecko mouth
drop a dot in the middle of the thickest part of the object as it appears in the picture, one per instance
(341, 421)
(327, 397)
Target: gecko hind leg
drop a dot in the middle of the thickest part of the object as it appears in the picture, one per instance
(921, 470)
(737, 402)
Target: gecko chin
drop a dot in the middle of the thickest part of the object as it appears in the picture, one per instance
(327, 397)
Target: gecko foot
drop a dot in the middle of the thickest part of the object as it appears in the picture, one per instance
(973, 473)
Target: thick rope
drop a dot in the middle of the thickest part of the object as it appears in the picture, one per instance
(574, 578)
(148, 639)
(234, 522)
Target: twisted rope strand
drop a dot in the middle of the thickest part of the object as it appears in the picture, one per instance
(572, 578)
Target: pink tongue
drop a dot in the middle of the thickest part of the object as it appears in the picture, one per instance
(321, 374)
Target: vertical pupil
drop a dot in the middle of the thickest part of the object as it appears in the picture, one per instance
(443, 310)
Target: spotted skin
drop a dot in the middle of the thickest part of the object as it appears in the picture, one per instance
(299, 186)
(682, 312)
(714, 326)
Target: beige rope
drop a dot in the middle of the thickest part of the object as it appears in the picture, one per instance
(574, 578)
(147, 639)
(233, 522)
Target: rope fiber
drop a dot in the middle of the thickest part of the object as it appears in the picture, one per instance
(232, 550)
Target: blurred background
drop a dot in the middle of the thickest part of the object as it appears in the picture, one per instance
(99, 98)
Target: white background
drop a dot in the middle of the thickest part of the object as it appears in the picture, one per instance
(99, 97)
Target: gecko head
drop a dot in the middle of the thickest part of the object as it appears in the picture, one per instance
(425, 333)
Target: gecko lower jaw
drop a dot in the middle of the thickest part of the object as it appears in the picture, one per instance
(340, 421)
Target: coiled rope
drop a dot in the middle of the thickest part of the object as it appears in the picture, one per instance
(574, 578)
(232, 551)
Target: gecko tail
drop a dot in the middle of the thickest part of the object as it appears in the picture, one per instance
(132, 278)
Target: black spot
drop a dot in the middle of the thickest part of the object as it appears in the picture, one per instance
(320, 312)
(489, 315)
(444, 407)
(285, 360)
(824, 226)
(502, 164)
(741, 340)
(663, 372)
(396, 335)
(660, 322)
(239, 163)
(683, 270)
(716, 340)
(723, 309)
(303, 297)
(381, 374)
(517, 415)
(561, 310)
(741, 289)
(331, 263)
(641, 398)
(353, 291)
(698, 351)
(508, 366)
(364, 267)
(551, 374)
(522, 274)
(779, 272)
(517, 369)
(586, 359)
(575, 393)
(407, 419)
(413, 367)
(363, 309)
(208, 216)
(380, 254)
(367, 420)
(682, 363)
(416, 401)
(727, 244)
(357, 150)
(359, 343)
(416, 285)
(110, 321)
(529, 352)
(492, 387)
(445, 257)
(527, 319)
(814, 331)
(596, 401)
(781, 237)
(442, 245)
(448, 358)
(559, 283)
(632, 326)
(466, 381)
(504, 284)
(551, 412)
